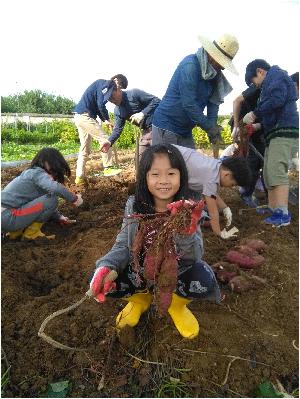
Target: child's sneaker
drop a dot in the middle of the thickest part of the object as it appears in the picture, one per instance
(111, 171)
(278, 218)
(250, 200)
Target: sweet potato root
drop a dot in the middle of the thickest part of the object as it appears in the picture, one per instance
(167, 281)
(246, 250)
(245, 283)
(243, 260)
(257, 245)
(225, 271)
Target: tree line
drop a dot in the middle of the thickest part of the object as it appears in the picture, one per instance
(36, 102)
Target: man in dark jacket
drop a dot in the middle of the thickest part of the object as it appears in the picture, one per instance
(91, 106)
(277, 110)
(138, 107)
(196, 84)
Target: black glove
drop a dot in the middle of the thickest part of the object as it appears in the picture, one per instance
(214, 134)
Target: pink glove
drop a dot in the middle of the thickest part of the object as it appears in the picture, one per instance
(64, 221)
(196, 207)
(99, 286)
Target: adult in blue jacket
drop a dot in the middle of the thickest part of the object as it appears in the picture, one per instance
(196, 84)
(138, 107)
(91, 106)
(277, 109)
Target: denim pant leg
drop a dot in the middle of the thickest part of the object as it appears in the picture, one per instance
(39, 210)
(198, 281)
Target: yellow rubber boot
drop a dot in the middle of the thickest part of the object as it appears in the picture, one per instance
(33, 231)
(13, 235)
(79, 181)
(184, 320)
(137, 305)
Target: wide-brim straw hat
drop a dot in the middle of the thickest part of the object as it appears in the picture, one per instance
(222, 50)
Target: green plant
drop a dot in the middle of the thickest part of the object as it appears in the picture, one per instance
(173, 388)
(5, 379)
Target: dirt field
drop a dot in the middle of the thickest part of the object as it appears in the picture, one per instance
(259, 328)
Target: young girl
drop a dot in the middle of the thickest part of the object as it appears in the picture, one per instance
(162, 180)
(31, 199)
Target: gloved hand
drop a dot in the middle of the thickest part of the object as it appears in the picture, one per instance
(99, 286)
(249, 118)
(256, 126)
(137, 118)
(229, 234)
(105, 146)
(196, 207)
(235, 133)
(228, 215)
(108, 124)
(63, 220)
(78, 201)
(214, 133)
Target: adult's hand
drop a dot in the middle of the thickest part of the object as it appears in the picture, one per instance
(249, 118)
(137, 118)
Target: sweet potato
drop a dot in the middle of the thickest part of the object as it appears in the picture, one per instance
(254, 243)
(152, 264)
(246, 282)
(240, 284)
(244, 261)
(225, 271)
(246, 250)
(167, 281)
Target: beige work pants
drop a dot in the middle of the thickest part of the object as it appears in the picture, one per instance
(89, 128)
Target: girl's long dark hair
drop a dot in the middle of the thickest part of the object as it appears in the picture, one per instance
(58, 166)
(143, 198)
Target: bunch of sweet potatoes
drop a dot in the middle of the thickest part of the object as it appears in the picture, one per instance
(235, 270)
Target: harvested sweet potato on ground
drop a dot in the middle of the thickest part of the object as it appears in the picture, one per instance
(254, 243)
(225, 271)
(240, 284)
(245, 283)
(246, 250)
(243, 260)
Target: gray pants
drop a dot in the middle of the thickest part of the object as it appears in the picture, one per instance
(38, 210)
(163, 136)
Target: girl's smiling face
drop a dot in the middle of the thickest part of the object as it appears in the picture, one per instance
(163, 181)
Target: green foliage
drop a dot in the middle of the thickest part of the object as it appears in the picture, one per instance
(5, 379)
(36, 101)
(14, 152)
(201, 138)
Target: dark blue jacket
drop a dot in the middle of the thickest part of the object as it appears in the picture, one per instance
(181, 108)
(92, 101)
(277, 108)
(133, 101)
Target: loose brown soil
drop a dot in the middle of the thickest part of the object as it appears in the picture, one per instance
(258, 327)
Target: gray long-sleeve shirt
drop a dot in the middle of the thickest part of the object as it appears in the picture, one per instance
(31, 184)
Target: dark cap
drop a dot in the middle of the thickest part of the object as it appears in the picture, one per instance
(107, 91)
(251, 69)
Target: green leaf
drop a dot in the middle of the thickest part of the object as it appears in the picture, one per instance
(58, 389)
(267, 390)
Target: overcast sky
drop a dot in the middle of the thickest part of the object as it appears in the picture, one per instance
(62, 46)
